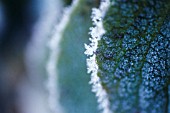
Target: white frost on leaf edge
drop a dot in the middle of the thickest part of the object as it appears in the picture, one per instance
(96, 33)
(54, 49)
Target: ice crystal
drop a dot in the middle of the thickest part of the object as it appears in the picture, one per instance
(96, 32)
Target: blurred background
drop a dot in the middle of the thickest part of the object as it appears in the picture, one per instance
(25, 28)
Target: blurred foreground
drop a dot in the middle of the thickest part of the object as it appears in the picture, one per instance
(25, 27)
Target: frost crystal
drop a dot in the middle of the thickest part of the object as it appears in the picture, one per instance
(96, 32)
(53, 59)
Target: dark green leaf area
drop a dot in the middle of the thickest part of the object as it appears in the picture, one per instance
(68, 2)
(134, 56)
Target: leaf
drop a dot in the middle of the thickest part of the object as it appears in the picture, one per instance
(133, 56)
(75, 95)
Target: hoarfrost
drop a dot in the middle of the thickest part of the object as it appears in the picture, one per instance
(96, 33)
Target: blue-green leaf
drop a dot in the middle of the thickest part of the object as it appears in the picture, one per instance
(75, 92)
(133, 56)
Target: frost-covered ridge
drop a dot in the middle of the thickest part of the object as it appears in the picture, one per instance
(96, 32)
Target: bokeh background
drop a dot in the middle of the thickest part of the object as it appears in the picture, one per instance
(25, 28)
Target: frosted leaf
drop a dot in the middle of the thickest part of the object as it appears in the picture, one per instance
(133, 56)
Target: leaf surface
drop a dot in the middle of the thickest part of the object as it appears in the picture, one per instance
(134, 56)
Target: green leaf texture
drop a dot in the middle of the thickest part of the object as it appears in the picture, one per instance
(134, 56)
(76, 95)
